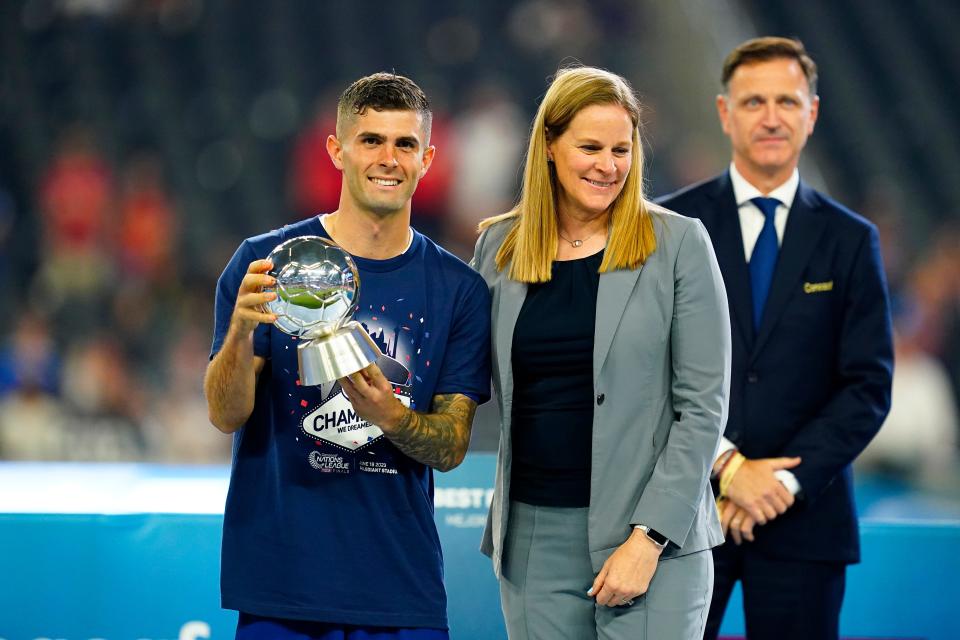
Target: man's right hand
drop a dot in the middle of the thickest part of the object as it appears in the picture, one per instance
(231, 378)
(248, 312)
(756, 489)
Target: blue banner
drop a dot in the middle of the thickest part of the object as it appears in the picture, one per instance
(131, 552)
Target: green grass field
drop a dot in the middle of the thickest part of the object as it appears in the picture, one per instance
(300, 297)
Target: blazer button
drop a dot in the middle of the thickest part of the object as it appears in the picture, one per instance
(752, 376)
(600, 399)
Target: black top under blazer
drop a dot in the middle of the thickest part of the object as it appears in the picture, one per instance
(815, 380)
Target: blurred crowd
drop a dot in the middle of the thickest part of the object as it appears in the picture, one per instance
(110, 264)
(103, 355)
(919, 440)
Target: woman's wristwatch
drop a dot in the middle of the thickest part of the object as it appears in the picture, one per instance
(655, 536)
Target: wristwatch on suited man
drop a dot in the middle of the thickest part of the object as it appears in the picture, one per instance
(655, 536)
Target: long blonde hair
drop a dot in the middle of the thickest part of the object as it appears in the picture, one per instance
(531, 244)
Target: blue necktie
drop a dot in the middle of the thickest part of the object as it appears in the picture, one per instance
(764, 258)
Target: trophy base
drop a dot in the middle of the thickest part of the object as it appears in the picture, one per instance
(336, 355)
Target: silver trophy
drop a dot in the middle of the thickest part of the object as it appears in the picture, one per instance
(317, 287)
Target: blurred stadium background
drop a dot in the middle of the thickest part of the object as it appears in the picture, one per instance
(141, 140)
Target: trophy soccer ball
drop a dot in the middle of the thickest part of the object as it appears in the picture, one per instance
(317, 284)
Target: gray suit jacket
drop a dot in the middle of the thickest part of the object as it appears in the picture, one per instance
(661, 377)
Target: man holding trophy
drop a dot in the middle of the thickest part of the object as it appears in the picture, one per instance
(338, 423)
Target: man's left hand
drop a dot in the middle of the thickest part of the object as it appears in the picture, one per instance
(627, 572)
(371, 395)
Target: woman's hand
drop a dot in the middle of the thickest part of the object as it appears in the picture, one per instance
(627, 572)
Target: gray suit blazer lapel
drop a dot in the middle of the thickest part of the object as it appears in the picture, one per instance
(612, 297)
(512, 295)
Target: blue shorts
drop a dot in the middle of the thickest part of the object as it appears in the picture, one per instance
(251, 627)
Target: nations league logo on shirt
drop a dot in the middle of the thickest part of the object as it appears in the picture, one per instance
(328, 462)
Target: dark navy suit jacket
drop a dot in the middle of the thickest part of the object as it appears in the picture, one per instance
(814, 379)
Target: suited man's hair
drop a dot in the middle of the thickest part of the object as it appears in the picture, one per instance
(383, 92)
(766, 49)
(531, 245)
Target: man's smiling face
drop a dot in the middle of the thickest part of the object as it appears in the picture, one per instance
(383, 155)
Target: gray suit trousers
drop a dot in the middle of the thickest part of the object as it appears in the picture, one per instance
(547, 572)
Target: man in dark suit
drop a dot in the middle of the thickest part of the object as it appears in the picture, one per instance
(812, 352)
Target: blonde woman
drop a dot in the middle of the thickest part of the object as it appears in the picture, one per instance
(611, 348)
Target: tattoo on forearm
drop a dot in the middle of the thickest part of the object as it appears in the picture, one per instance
(438, 439)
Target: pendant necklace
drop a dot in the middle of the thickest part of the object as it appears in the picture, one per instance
(576, 243)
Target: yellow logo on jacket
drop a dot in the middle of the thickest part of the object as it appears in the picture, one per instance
(817, 287)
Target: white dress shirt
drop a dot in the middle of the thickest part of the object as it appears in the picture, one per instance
(751, 223)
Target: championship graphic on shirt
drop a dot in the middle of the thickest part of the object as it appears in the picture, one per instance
(336, 422)
(345, 438)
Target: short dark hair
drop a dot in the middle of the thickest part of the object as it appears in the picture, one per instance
(383, 92)
(770, 48)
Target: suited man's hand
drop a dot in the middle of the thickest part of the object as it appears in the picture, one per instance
(756, 489)
(736, 521)
(627, 572)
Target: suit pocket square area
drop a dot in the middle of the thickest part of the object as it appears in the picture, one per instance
(817, 287)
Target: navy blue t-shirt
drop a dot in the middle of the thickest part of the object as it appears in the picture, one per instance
(325, 519)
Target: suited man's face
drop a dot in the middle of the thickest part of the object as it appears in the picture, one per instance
(768, 113)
